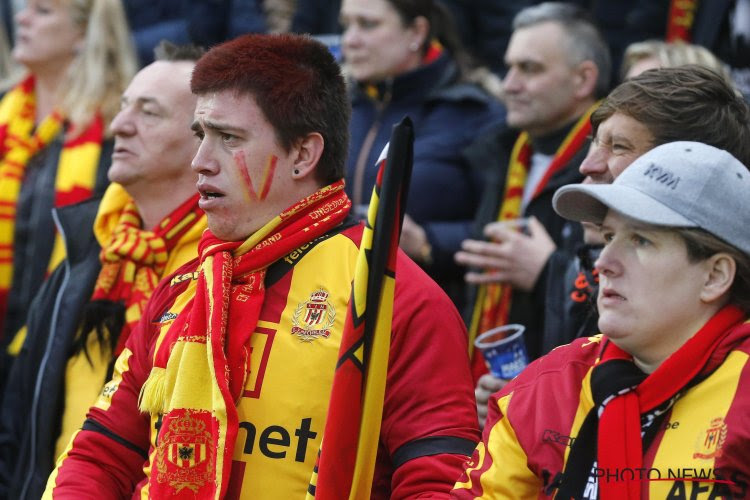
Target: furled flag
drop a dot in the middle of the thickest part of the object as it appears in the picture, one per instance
(346, 460)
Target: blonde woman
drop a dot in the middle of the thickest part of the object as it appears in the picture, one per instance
(649, 54)
(54, 145)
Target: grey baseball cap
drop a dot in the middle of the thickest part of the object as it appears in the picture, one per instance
(678, 184)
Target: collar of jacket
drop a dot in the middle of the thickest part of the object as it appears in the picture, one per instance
(426, 81)
(70, 219)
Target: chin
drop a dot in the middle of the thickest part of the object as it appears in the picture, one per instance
(517, 121)
(612, 327)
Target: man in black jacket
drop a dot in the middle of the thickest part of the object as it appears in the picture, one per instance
(558, 65)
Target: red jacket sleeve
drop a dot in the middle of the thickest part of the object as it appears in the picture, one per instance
(429, 423)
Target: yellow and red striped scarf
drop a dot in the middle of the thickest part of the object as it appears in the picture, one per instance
(19, 142)
(680, 20)
(201, 367)
(494, 300)
(135, 259)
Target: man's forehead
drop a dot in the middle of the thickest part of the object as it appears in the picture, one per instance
(160, 81)
(540, 43)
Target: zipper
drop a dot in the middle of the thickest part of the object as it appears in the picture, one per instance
(45, 359)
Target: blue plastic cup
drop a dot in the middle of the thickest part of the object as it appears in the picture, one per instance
(504, 350)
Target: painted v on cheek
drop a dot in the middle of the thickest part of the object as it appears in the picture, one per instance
(266, 181)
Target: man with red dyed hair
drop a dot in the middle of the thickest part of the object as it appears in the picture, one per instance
(223, 389)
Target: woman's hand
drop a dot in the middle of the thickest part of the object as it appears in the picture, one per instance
(487, 385)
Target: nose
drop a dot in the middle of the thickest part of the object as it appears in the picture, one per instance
(22, 16)
(512, 81)
(122, 124)
(204, 161)
(608, 263)
(350, 37)
(594, 165)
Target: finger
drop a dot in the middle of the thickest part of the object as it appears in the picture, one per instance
(484, 248)
(481, 261)
(486, 277)
(498, 231)
(491, 383)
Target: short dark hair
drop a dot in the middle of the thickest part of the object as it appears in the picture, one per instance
(585, 41)
(168, 51)
(701, 245)
(294, 80)
(684, 103)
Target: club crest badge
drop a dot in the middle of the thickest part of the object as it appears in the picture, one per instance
(314, 318)
(185, 454)
(709, 442)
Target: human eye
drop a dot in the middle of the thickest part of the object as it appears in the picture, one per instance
(619, 148)
(530, 67)
(42, 8)
(607, 236)
(367, 23)
(199, 133)
(640, 240)
(228, 139)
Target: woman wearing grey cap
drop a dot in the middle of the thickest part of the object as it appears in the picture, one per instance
(656, 406)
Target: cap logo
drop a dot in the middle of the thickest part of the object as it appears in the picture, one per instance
(662, 175)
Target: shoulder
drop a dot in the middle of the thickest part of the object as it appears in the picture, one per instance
(554, 380)
(169, 288)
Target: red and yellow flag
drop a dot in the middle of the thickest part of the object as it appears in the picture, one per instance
(346, 461)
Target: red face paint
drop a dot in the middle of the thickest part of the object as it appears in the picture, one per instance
(267, 180)
(239, 160)
(268, 176)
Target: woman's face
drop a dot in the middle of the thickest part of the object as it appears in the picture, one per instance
(46, 36)
(649, 292)
(375, 43)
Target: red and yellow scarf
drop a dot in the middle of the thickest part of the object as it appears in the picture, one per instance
(134, 260)
(613, 433)
(494, 300)
(199, 371)
(19, 142)
(681, 19)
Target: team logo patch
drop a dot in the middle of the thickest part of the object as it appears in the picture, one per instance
(184, 457)
(314, 318)
(709, 442)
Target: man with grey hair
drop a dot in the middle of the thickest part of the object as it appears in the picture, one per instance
(558, 66)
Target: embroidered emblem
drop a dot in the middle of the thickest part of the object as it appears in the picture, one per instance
(185, 457)
(708, 444)
(314, 318)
